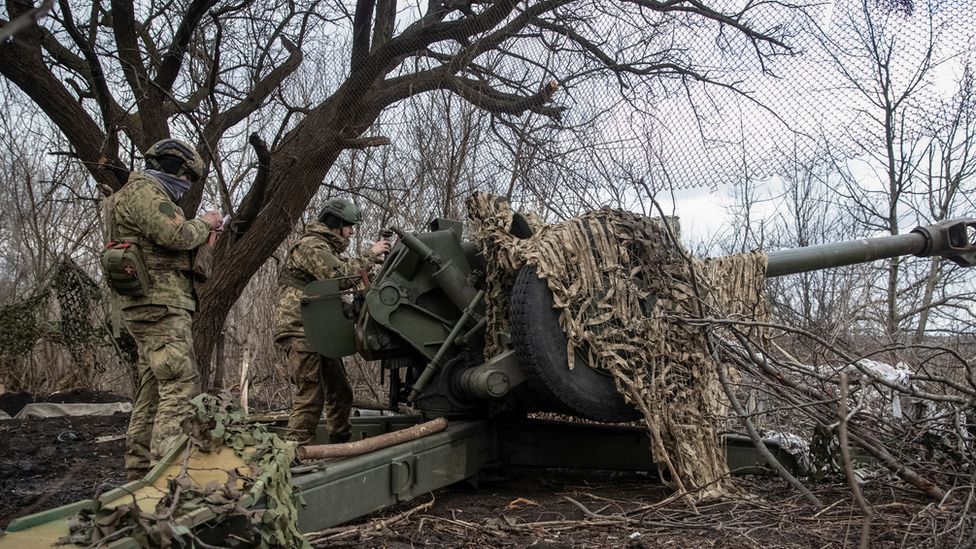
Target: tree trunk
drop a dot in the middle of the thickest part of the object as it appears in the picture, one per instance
(219, 360)
(930, 283)
(296, 172)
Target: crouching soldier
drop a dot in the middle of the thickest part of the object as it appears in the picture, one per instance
(320, 382)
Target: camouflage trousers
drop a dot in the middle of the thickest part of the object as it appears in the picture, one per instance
(168, 379)
(320, 382)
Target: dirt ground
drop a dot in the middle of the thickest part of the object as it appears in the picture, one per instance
(563, 509)
(49, 462)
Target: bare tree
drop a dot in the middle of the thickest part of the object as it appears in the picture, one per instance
(55, 339)
(889, 80)
(947, 171)
(822, 302)
(115, 78)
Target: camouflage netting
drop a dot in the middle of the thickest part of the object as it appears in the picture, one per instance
(80, 331)
(21, 325)
(217, 421)
(627, 290)
(73, 318)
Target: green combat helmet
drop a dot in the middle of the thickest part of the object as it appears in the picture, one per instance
(192, 161)
(343, 209)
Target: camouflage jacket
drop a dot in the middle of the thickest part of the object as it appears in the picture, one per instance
(142, 212)
(316, 256)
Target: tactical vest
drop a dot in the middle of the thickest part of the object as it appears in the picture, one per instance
(127, 258)
(296, 278)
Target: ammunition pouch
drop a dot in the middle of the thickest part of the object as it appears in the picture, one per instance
(125, 268)
(202, 262)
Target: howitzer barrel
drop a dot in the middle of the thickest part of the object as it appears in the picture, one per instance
(952, 239)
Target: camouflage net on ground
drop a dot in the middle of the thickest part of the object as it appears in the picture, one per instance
(626, 291)
(73, 318)
(218, 421)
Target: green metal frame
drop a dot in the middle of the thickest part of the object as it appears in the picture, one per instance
(419, 295)
(327, 329)
(340, 490)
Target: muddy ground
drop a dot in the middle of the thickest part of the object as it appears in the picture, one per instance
(49, 462)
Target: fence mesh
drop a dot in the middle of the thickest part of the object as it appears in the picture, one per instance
(846, 62)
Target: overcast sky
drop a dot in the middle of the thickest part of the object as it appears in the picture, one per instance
(806, 93)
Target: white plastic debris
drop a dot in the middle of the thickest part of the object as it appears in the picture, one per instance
(899, 375)
(896, 375)
(793, 444)
(58, 409)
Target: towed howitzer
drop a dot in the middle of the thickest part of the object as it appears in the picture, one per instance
(423, 317)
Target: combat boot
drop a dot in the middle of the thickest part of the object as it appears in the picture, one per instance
(339, 438)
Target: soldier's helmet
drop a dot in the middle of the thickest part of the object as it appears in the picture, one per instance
(192, 162)
(344, 210)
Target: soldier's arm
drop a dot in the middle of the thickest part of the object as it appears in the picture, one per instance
(365, 262)
(163, 223)
(317, 259)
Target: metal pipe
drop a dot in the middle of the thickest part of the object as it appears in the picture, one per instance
(800, 260)
(479, 326)
(414, 244)
(952, 239)
(448, 275)
(435, 363)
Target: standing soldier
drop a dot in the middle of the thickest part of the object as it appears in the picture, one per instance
(319, 381)
(147, 262)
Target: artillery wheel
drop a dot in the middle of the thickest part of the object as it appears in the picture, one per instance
(541, 348)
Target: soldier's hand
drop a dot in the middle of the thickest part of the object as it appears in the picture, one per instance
(214, 219)
(381, 247)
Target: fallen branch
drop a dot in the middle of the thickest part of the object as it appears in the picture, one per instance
(324, 538)
(845, 453)
(593, 515)
(757, 441)
(347, 449)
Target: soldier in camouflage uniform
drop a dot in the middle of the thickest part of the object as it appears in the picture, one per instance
(320, 382)
(144, 212)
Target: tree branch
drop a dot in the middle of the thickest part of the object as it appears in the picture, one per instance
(416, 38)
(150, 106)
(385, 23)
(25, 20)
(173, 58)
(102, 95)
(21, 62)
(256, 196)
(360, 34)
(260, 91)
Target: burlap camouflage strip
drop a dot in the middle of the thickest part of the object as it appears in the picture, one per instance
(625, 291)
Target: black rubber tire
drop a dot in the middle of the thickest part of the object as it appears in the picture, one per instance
(540, 345)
